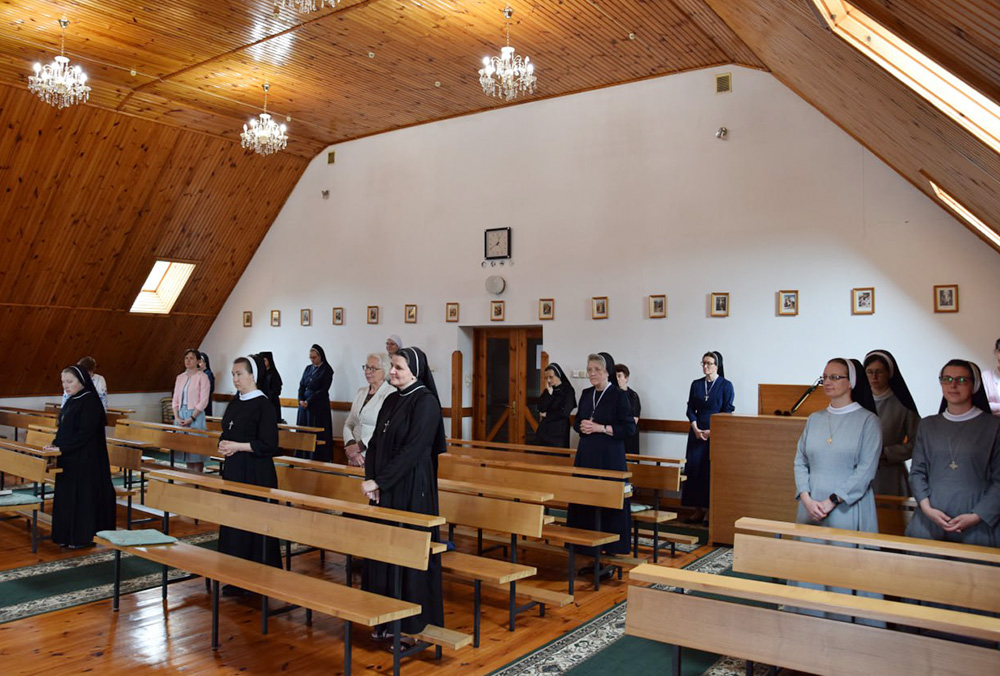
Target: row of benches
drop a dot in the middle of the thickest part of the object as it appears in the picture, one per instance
(903, 569)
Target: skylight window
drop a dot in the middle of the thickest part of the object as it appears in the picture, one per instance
(977, 225)
(963, 104)
(162, 287)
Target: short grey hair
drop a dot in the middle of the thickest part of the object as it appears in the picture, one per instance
(383, 361)
(599, 359)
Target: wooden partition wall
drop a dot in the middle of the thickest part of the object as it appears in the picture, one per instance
(752, 471)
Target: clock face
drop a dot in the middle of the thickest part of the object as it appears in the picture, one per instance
(498, 243)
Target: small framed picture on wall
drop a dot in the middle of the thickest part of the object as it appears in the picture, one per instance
(599, 307)
(338, 316)
(410, 314)
(275, 318)
(863, 300)
(247, 319)
(496, 310)
(546, 309)
(658, 306)
(718, 305)
(451, 312)
(788, 303)
(946, 298)
(373, 314)
(306, 317)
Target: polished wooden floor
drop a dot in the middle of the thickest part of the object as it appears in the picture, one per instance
(150, 634)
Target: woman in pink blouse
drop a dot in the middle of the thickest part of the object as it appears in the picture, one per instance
(191, 391)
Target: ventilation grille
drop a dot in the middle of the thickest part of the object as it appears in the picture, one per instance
(724, 83)
(331, 157)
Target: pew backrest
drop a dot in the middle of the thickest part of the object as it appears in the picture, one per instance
(392, 544)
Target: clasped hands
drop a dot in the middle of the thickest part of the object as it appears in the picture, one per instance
(700, 433)
(228, 448)
(370, 489)
(949, 524)
(817, 509)
(355, 454)
(590, 427)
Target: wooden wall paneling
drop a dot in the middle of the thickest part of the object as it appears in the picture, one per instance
(456, 394)
(881, 113)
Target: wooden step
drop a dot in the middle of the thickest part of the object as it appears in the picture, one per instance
(654, 516)
(534, 593)
(446, 638)
(578, 536)
(474, 567)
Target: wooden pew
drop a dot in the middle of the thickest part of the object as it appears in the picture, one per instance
(30, 464)
(290, 437)
(565, 488)
(503, 515)
(170, 438)
(22, 418)
(924, 570)
(400, 546)
(805, 643)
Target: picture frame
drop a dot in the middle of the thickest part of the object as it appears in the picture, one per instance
(373, 314)
(305, 317)
(338, 316)
(718, 304)
(410, 314)
(788, 303)
(451, 312)
(497, 310)
(247, 319)
(863, 300)
(599, 307)
(946, 298)
(546, 309)
(658, 306)
(275, 318)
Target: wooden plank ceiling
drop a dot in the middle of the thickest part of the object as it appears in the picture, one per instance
(152, 165)
(882, 114)
(362, 68)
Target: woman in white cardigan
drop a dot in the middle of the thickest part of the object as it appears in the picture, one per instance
(360, 423)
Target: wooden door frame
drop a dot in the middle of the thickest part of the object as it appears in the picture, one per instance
(517, 337)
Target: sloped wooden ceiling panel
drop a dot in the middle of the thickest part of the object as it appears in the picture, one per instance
(91, 198)
(366, 67)
(872, 106)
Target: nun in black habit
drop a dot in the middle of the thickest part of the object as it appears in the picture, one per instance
(555, 405)
(206, 366)
(84, 500)
(314, 401)
(401, 473)
(272, 383)
(249, 442)
(603, 421)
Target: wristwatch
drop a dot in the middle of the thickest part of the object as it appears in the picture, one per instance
(835, 499)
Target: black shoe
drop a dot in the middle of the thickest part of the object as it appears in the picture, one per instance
(586, 571)
(608, 572)
(84, 546)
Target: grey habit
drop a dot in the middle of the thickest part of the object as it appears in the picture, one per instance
(899, 434)
(973, 486)
(844, 466)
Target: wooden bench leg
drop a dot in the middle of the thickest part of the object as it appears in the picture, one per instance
(118, 580)
(163, 583)
(396, 647)
(477, 586)
(215, 614)
(677, 660)
(288, 554)
(656, 541)
(749, 670)
(635, 539)
(347, 648)
(34, 531)
(349, 566)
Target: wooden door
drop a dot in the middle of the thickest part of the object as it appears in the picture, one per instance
(506, 382)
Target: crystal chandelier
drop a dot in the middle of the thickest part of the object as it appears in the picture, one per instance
(507, 75)
(264, 135)
(306, 6)
(57, 83)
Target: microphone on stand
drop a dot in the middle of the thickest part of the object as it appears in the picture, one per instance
(802, 399)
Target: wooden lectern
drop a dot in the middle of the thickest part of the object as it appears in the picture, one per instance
(752, 470)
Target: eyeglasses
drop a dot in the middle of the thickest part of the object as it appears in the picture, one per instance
(371, 369)
(708, 363)
(948, 380)
(834, 378)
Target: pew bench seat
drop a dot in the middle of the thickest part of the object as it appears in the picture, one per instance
(479, 569)
(354, 606)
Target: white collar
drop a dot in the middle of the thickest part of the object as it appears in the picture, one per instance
(973, 412)
(885, 395)
(850, 408)
(253, 394)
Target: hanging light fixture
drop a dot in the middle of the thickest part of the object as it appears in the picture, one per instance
(507, 75)
(306, 6)
(57, 83)
(263, 134)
